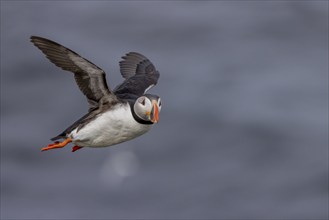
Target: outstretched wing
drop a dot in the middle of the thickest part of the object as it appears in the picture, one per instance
(140, 75)
(89, 77)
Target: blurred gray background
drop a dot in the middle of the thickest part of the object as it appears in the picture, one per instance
(243, 131)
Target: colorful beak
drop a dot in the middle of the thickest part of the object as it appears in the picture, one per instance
(155, 113)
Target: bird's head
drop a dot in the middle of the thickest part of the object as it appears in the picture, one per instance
(148, 107)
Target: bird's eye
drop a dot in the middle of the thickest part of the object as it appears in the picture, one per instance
(142, 101)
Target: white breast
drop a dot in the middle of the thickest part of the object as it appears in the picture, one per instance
(112, 127)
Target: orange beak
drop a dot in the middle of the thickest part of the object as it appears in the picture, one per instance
(155, 113)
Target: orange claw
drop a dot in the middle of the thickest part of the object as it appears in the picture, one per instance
(57, 144)
(75, 148)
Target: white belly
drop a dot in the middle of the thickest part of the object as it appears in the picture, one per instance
(112, 127)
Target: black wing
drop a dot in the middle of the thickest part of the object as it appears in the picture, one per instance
(140, 75)
(89, 77)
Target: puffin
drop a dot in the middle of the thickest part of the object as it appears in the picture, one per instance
(114, 116)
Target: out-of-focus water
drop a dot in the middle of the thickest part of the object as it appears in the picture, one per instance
(243, 131)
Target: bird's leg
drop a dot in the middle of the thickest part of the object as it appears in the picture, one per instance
(75, 148)
(57, 144)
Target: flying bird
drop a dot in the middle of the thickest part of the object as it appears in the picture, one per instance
(114, 116)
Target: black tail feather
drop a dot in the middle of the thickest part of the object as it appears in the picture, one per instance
(60, 136)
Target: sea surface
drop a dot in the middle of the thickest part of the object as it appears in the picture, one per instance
(243, 131)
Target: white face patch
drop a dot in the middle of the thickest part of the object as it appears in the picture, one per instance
(143, 108)
(159, 104)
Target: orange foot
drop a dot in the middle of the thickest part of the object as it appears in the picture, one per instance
(75, 148)
(57, 144)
